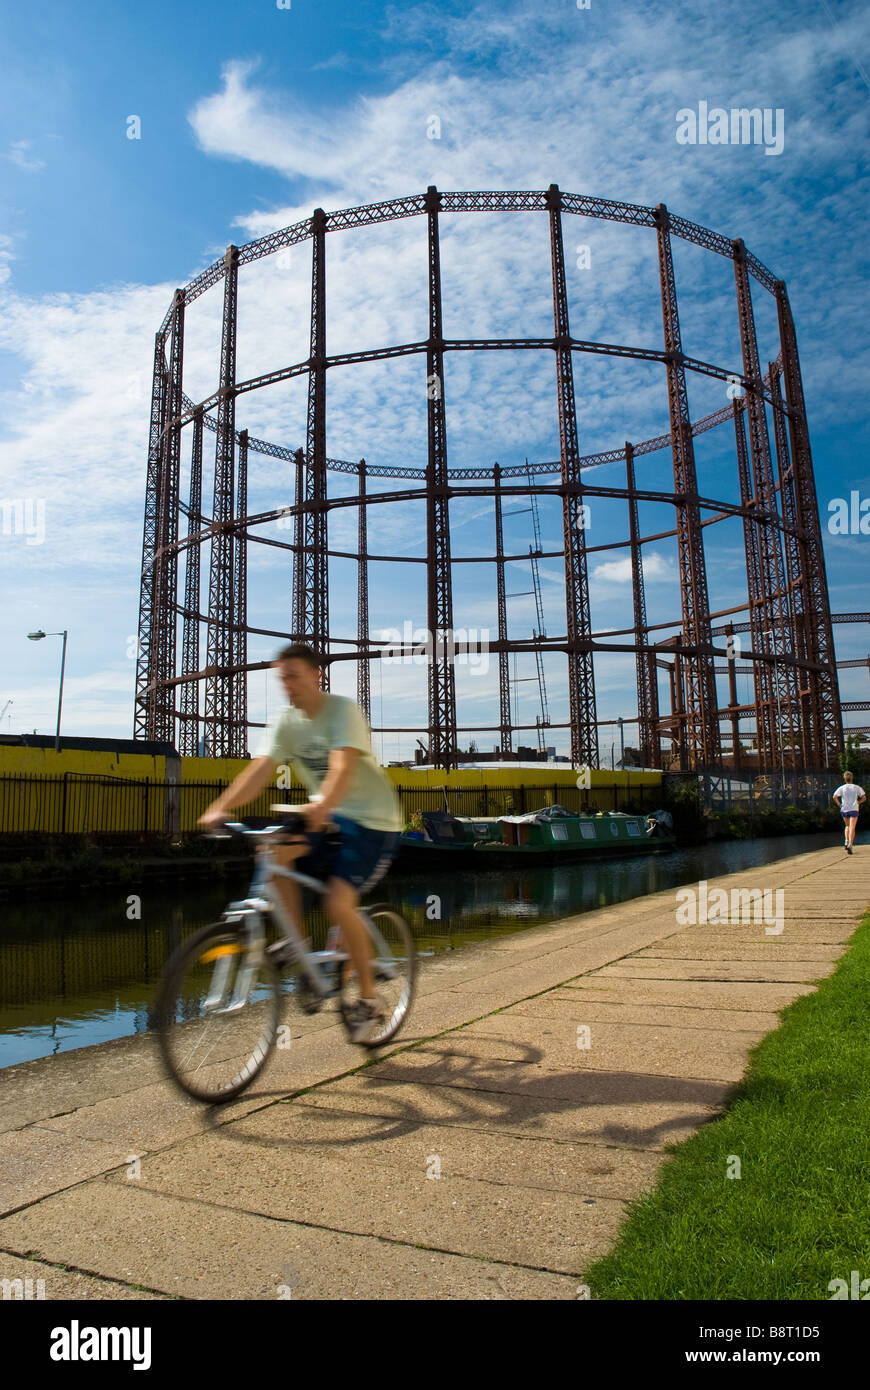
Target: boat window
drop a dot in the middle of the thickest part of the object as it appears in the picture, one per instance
(559, 832)
(587, 830)
(633, 828)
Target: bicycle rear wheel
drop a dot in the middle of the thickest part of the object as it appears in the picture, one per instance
(395, 971)
(217, 1013)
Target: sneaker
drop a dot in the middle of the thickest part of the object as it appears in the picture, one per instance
(365, 1018)
(848, 849)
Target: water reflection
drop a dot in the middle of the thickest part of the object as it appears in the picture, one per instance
(78, 972)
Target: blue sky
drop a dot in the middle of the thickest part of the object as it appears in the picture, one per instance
(253, 115)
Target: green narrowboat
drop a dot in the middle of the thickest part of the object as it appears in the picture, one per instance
(542, 836)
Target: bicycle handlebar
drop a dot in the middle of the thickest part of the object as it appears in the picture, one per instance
(292, 822)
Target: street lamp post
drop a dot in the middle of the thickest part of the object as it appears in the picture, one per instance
(37, 637)
(620, 721)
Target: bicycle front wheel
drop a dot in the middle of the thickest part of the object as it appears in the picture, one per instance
(217, 1013)
(395, 969)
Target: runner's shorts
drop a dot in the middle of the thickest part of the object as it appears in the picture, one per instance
(847, 814)
(360, 857)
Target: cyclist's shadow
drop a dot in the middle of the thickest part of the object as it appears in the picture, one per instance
(506, 1093)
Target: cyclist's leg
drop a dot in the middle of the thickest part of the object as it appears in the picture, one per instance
(363, 857)
(341, 903)
(289, 891)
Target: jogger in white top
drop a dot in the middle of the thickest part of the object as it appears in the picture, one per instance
(849, 797)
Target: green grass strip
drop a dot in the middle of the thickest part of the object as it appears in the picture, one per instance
(799, 1214)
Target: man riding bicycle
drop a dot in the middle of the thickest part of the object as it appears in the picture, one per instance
(327, 740)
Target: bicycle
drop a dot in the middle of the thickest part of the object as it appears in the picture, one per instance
(219, 1006)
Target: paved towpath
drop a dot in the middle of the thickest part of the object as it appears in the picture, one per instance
(320, 1182)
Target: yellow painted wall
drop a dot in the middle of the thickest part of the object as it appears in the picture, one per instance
(113, 804)
(548, 774)
(212, 769)
(44, 762)
(76, 791)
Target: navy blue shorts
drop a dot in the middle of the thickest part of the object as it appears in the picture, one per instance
(361, 857)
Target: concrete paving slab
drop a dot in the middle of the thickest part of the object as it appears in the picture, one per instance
(305, 1139)
(193, 1250)
(781, 948)
(146, 1120)
(547, 1006)
(616, 1109)
(794, 929)
(695, 994)
(56, 1085)
(665, 968)
(367, 1194)
(47, 1283)
(714, 1054)
(34, 1163)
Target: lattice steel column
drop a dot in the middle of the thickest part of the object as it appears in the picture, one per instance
(736, 751)
(442, 684)
(189, 737)
(504, 686)
(166, 562)
(315, 559)
(645, 662)
(702, 722)
(781, 718)
(219, 688)
(144, 709)
(795, 570)
(363, 685)
(679, 688)
(673, 722)
(820, 634)
(581, 672)
(239, 740)
(761, 685)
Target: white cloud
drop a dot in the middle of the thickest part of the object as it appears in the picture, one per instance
(6, 256)
(337, 60)
(619, 571)
(17, 155)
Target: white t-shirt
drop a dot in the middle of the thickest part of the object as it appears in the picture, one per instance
(371, 798)
(850, 791)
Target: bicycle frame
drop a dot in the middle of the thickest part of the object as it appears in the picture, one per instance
(321, 968)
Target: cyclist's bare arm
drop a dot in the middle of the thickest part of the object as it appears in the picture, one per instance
(244, 788)
(339, 774)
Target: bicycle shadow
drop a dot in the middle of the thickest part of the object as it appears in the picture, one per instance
(510, 1093)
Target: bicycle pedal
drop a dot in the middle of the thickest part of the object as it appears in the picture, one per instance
(280, 951)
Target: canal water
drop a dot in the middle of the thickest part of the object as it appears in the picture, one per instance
(80, 971)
